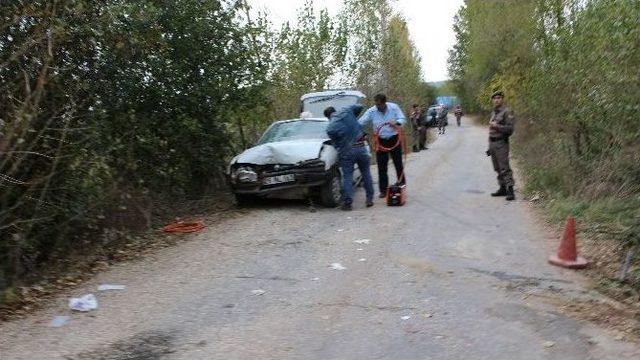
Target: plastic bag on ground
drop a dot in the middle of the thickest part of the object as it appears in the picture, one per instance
(85, 303)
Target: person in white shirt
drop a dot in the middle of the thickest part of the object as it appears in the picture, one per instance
(383, 116)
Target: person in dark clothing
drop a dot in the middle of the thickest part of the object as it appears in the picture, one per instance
(349, 139)
(418, 122)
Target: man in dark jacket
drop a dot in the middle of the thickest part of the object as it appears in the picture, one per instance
(349, 139)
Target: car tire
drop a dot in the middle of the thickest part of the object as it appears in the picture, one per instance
(245, 200)
(331, 191)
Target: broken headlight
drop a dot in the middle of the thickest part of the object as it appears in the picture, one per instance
(244, 174)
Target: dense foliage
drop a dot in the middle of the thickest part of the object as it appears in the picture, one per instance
(109, 106)
(570, 72)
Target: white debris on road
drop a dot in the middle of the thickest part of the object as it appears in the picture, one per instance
(106, 287)
(337, 266)
(59, 321)
(85, 303)
(258, 292)
(363, 241)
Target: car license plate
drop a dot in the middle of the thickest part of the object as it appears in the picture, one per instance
(279, 179)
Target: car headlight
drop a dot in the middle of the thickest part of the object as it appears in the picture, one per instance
(244, 174)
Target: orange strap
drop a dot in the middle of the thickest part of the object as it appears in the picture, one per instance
(184, 226)
(377, 146)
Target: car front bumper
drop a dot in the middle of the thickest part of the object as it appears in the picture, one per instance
(308, 174)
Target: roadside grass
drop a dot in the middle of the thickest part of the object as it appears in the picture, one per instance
(607, 227)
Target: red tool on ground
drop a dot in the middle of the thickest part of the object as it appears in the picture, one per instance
(184, 226)
(567, 253)
(396, 193)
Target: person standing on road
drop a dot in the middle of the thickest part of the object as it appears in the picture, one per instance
(418, 119)
(442, 119)
(501, 127)
(350, 141)
(458, 113)
(384, 116)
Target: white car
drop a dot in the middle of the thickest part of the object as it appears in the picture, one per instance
(294, 158)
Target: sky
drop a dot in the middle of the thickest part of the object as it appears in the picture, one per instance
(430, 25)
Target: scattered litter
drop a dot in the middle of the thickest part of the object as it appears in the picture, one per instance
(258, 292)
(337, 266)
(439, 337)
(363, 241)
(405, 317)
(362, 260)
(106, 287)
(427, 315)
(348, 217)
(548, 344)
(535, 197)
(85, 303)
(340, 230)
(59, 321)
(360, 249)
(315, 279)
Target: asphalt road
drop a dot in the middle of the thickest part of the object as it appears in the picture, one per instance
(454, 274)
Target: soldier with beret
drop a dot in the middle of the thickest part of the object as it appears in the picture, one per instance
(501, 127)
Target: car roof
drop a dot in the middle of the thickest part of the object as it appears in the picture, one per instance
(333, 92)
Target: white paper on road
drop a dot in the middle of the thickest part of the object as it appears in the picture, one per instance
(362, 260)
(59, 321)
(363, 241)
(106, 287)
(258, 292)
(337, 266)
(85, 303)
(405, 317)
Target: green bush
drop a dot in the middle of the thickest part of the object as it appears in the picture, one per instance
(570, 71)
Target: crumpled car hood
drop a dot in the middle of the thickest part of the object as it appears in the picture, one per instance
(282, 152)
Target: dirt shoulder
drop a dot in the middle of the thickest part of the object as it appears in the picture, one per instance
(73, 270)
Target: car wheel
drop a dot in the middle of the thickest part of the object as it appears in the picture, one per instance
(245, 200)
(331, 191)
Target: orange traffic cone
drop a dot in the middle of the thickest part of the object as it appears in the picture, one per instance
(567, 253)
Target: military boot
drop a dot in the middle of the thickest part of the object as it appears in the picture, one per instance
(510, 194)
(501, 192)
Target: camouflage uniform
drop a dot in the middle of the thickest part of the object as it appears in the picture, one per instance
(504, 122)
(418, 118)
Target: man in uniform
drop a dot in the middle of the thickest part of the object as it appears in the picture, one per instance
(418, 118)
(501, 128)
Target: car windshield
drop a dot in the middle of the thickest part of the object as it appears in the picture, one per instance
(316, 105)
(295, 130)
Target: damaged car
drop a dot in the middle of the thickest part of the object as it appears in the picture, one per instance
(294, 159)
